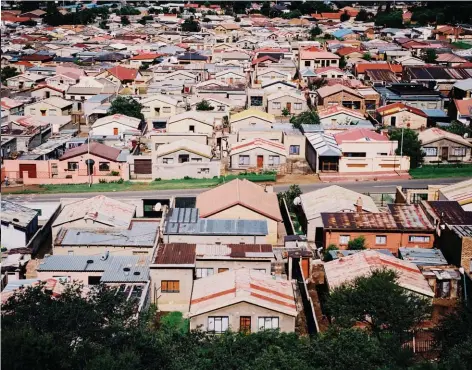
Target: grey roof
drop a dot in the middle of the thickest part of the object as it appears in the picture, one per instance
(183, 215)
(204, 226)
(434, 113)
(423, 256)
(17, 214)
(344, 253)
(140, 234)
(325, 145)
(462, 230)
(98, 98)
(464, 84)
(112, 267)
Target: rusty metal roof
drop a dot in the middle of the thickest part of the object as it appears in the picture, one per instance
(450, 212)
(176, 254)
(359, 220)
(410, 216)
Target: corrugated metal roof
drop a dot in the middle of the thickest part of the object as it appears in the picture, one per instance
(422, 256)
(410, 216)
(450, 212)
(17, 214)
(359, 220)
(218, 227)
(324, 144)
(175, 254)
(183, 215)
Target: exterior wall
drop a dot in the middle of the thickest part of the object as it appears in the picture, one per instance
(271, 135)
(317, 63)
(250, 122)
(264, 77)
(406, 119)
(165, 109)
(183, 126)
(231, 78)
(108, 129)
(202, 170)
(371, 148)
(384, 163)
(217, 106)
(234, 312)
(299, 140)
(60, 80)
(12, 237)
(450, 157)
(172, 301)
(243, 213)
(395, 240)
(160, 139)
(337, 99)
(41, 93)
(338, 119)
(35, 110)
(311, 228)
(215, 239)
(253, 154)
(99, 250)
(71, 275)
(284, 100)
(233, 264)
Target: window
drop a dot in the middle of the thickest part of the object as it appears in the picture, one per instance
(204, 272)
(294, 150)
(218, 324)
(62, 279)
(297, 106)
(352, 154)
(52, 112)
(380, 239)
(168, 160)
(430, 151)
(276, 105)
(104, 166)
(344, 239)
(222, 269)
(244, 160)
(94, 280)
(458, 151)
(32, 111)
(170, 286)
(266, 323)
(274, 160)
(72, 166)
(260, 270)
(245, 324)
(203, 170)
(333, 61)
(191, 128)
(393, 121)
(307, 63)
(196, 160)
(166, 110)
(184, 158)
(256, 101)
(418, 239)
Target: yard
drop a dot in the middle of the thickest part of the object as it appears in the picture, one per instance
(187, 183)
(442, 170)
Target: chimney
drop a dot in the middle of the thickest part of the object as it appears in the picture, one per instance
(359, 205)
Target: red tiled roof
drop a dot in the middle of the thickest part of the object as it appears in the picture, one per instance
(362, 67)
(12, 18)
(123, 73)
(347, 50)
(24, 63)
(41, 86)
(97, 149)
(263, 59)
(358, 134)
(464, 107)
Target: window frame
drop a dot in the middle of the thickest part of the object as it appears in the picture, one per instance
(103, 163)
(428, 148)
(292, 151)
(341, 239)
(76, 167)
(459, 148)
(199, 270)
(425, 238)
(266, 318)
(170, 286)
(216, 319)
(381, 243)
(244, 156)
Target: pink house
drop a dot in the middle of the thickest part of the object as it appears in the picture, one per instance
(71, 168)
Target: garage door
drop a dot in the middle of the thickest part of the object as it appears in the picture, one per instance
(142, 166)
(30, 168)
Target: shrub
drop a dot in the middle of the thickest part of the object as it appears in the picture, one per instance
(114, 173)
(102, 181)
(157, 179)
(187, 178)
(356, 244)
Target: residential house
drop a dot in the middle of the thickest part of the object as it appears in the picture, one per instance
(161, 106)
(191, 122)
(443, 146)
(46, 91)
(257, 153)
(54, 106)
(329, 96)
(184, 225)
(463, 109)
(230, 77)
(242, 300)
(24, 81)
(143, 59)
(460, 192)
(118, 124)
(333, 198)
(268, 75)
(339, 115)
(285, 101)
(182, 158)
(219, 104)
(315, 58)
(11, 106)
(89, 86)
(119, 74)
(241, 199)
(403, 226)
(414, 95)
(251, 118)
(66, 78)
(400, 115)
(19, 225)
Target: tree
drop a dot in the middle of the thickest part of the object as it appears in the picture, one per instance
(126, 106)
(206, 20)
(411, 145)
(285, 112)
(362, 16)
(345, 17)
(293, 192)
(125, 20)
(315, 32)
(389, 19)
(430, 56)
(308, 117)
(326, 255)
(190, 25)
(204, 105)
(367, 56)
(458, 128)
(342, 62)
(356, 244)
(378, 302)
(8, 72)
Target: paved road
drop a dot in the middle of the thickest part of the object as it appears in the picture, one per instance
(361, 187)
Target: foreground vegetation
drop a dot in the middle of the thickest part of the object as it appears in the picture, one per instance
(99, 330)
(441, 170)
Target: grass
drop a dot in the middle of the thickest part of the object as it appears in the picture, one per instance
(188, 183)
(442, 170)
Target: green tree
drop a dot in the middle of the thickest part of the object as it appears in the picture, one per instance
(237, 19)
(430, 56)
(125, 20)
(315, 32)
(411, 145)
(8, 72)
(459, 128)
(204, 105)
(309, 117)
(285, 112)
(389, 19)
(345, 17)
(126, 106)
(342, 62)
(190, 25)
(326, 255)
(367, 56)
(357, 244)
(378, 302)
(362, 16)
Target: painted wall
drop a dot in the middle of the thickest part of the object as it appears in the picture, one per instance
(13, 238)
(272, 106)
(250, 122)
(172, 301)
(384, 163)
(233, 264)
(405, 119)
(253, 154)
(202, 170)
(184, 126)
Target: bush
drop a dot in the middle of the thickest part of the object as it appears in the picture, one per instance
(114, 173)
(187, 178)
(356, 244)
(102, 181)
(157, 179)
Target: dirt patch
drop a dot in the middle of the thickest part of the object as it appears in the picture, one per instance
(20, 189)
(297, 179)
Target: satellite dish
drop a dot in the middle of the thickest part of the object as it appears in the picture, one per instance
(297, 201)
(158, 207)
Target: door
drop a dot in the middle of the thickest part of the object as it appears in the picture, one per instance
(289, 107)
(43, 112)
(444, 153)
(115, 130)
(54, 170)
(231, 80)
(48, 94)
(245, 324)
(393, 121)
(142, 166)
(260, 161)
(30, 168)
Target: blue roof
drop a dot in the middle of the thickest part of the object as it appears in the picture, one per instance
(308, 73)
(342, 32)
(98, 98)
(434, 112)
(423, 256)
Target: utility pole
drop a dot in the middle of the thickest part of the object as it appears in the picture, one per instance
(401, 145)
(88, 159)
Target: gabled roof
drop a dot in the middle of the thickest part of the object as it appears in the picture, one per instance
(97, 149)
(55, 101)
(334, 89)
(324, 144)
(358, 221)
(393, 108)
(184, 144)
(259, 143)
(464, 107)
(193, 115)
(347, 50)
(252, 113)
(8, 103)
(119, 118)
(280, 94)
(348, 268)
(242, 285)
(339, 109)
(263, 59)
(362, 67)
(123, 73)
(359, 134)
(239, 192)
(434, 134)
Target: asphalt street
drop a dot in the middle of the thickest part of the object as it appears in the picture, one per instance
(361, 187)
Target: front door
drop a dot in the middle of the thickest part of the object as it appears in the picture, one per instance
(289, 107)
(245, 324)
(115, 131)
(30, 168)
(260, 161)
(444, 153)
(54, 170)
